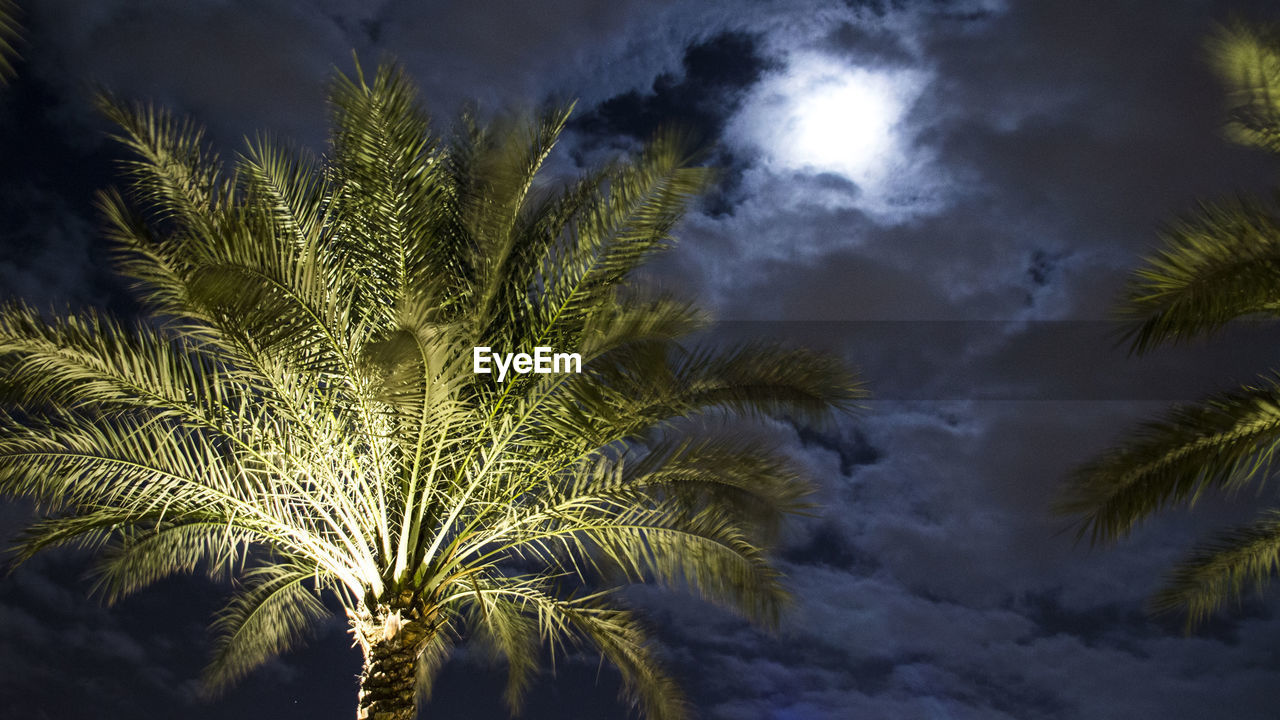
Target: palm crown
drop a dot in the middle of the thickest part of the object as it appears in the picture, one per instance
(1217, 265)
(298, 410)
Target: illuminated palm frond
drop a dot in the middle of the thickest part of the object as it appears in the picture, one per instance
(299, 411)
(1248, 58)
(1221, 570)
(1225, 443)
(1217, 265)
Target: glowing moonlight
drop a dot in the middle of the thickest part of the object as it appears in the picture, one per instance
(825, 116)
(846, 120)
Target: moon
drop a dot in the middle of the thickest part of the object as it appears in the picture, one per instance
(822, 115)
(842, 121)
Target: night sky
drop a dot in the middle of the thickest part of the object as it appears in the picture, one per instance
(948, 194)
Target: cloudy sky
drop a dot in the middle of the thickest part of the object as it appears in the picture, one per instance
(949, 194)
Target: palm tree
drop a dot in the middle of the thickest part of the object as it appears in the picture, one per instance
(1217, 265)
(298, 410)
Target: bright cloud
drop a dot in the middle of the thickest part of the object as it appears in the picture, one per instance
(821, 115)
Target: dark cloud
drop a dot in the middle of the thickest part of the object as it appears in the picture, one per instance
(714, 74)
(828, 546)
(48, 253)
(863, 46)
(697, 102)
(853, 450)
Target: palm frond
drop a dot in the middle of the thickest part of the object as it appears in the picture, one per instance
(597, 621)
(432, 658)
(1226, 442)
(288, 186)
(144, 555)
(629, 225)
(272, 612)
(705, 552)
(620, 637)
(502, 623)
(1247, 57)
(744, 477)
(640, 386)
(1221, 570)
(1218, 265)
(10, 35)
(386, 198)
(176, 172)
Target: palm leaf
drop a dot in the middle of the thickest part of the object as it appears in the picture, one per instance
(1248, 58)
(1226, 442)
(271, 613)
(645, 683)
(10, 35)
(1219, 265)
(1219, 571)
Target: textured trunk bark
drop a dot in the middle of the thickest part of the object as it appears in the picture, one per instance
(388, 685)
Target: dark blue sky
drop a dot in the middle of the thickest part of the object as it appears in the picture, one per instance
(994, 171)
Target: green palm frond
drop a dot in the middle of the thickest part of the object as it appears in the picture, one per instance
(386, 198)
(1218, 265)
(1247, 57)
(510, 627)
(645, 682)
(174, 171)
(638, 387)
(272, 611)
(515, 614)
(299, 412)
(1224, 443)
(10, 35)
(1223, 261)
(141, 557)
(1221, 570)
(433, 657)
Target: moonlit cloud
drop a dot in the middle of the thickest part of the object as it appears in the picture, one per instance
(824, 115)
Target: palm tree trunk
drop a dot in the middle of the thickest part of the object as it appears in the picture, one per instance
(388, 684)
